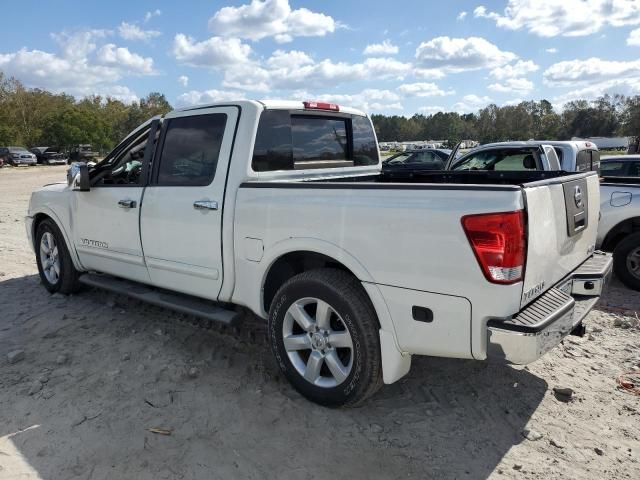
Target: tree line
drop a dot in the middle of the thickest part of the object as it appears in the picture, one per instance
(605, 117)
(36, 117)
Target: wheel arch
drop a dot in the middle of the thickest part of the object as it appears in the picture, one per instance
(318, 254)
(619, 231)
(44, 214)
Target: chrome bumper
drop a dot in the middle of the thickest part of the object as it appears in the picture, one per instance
(545, 322)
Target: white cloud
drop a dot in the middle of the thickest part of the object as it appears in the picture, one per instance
(461, 54)
(77, 45)
(195, 97)
(423, 89)
(513, 102)
(121, 57)
(551, 50)
(513, 85)
(634, 38)
(625, 86)
(183, 80)
(517, 69)
(130, 31)
(461, 16)
(471, 103)
(574, 73)
(429, 73)
(80, 68)
(270, 18)
(570, 18)
(431, 109)
(297, 70)
(370, 100)
(288, 60)
(384, 48)
(214, 52)
(149, 15)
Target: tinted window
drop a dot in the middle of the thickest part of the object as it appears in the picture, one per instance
(583, 161)
(272, 150)
(365, 150)
(634, 169)
(612, 168)
(319, 142)
(191, 149)
(286, 142)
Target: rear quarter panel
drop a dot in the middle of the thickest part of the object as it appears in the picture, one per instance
(398, 236)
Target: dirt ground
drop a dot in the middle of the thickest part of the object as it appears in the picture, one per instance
(99, 372)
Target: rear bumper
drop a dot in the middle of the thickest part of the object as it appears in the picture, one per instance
(543, 324)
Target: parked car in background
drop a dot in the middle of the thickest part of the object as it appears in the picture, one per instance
(620, 166)
(82, 153)
(619, 225)
(421, 159)
(508, 156)
(572, 156)
(49, 155)
(4, 156)
(279, 208)
(17, 156)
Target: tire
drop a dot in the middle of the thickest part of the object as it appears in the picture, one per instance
(344, 375)
(626, 261)
(61, 276)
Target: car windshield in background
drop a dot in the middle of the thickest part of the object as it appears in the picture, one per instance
(505, 160)
(429, 159)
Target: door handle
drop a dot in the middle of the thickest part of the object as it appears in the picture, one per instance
(205, 205)
(127, 203)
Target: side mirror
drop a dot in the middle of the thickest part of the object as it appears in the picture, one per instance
(78, 177)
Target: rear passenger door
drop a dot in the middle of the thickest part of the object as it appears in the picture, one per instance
(181, 215)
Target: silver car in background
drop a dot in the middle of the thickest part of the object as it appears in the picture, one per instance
(20, 156)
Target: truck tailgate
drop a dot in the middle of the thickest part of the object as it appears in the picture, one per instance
(562, 227)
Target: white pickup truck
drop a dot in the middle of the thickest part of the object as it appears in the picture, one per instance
(280, 209)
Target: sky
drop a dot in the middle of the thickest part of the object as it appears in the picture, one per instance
(397, 57)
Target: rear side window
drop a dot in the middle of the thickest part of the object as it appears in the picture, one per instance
(588, 160)
(191, 149)
(286, 141)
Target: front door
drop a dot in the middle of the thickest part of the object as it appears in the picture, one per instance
(106, 218)
(181, 215)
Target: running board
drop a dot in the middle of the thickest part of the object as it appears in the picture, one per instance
(163, 298)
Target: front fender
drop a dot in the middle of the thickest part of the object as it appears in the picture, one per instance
(45, 210)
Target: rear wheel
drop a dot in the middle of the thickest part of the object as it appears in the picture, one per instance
(325, 336)
(54, 261)
(626, 261)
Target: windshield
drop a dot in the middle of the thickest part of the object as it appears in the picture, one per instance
(506, 160)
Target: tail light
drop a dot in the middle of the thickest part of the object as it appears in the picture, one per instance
(498, 242)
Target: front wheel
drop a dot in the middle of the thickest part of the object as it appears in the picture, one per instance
(54, 261)
(324, 334)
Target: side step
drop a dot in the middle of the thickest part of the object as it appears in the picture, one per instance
(163, 298)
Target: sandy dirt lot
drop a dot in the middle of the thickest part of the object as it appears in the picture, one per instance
(98, 372)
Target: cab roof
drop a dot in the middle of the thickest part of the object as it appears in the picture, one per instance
(276, 105)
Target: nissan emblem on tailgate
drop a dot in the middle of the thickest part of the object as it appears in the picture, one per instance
(577, 196)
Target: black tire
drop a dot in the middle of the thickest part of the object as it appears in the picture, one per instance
(349, 301)
(67, 281)
(623, 251)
